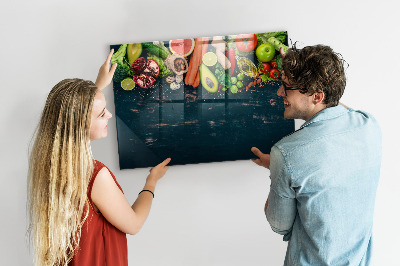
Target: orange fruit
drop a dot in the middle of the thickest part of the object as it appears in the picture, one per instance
(182, 47)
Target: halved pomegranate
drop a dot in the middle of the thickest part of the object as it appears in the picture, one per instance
(146, 72)
(144, 81)
(139, 65)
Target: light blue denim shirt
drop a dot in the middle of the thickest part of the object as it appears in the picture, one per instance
(323, 183)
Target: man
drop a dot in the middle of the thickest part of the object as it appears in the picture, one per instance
(324, 175)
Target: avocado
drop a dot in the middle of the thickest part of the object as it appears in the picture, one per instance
(208, 80)
(133, 51)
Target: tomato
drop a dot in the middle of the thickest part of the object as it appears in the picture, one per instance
(246, 42)
(265, 67)
(274, 73)
(274, 63)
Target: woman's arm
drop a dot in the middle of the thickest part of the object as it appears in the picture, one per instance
(114, 206)
(105, 75)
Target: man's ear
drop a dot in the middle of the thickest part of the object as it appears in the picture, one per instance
(318, 97)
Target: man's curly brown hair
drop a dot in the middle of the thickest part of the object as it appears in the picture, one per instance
(316, 69)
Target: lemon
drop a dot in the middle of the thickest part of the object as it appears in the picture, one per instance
(128, 84)
(209, 59)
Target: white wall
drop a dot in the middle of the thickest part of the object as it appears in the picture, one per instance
(208, 214)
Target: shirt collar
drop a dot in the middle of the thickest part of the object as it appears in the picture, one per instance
(326, 114)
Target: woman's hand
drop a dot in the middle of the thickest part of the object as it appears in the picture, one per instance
(114, 206)
(106, 74)
(158, 171)
(264, 159)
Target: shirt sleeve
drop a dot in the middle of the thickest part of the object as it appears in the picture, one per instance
(281, 210)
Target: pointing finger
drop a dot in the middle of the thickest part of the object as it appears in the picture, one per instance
(109, 56)
(166, 161)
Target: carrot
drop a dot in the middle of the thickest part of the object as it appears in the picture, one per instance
(231, 55)
(204, 48)
(193, 59)
(203, 51)
(196, 80)
(196, 60)
(191, 62)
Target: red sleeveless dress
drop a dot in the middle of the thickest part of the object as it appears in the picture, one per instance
(101, 243)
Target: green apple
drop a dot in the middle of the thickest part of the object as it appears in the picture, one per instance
(265, 52)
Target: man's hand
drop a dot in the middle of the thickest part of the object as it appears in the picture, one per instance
(106, 74)
(264, 159)
(282, 52)
(266, 206)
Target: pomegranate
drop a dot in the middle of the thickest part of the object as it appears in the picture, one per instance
(146, 72)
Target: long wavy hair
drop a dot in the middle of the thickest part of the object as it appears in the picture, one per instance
(60, 167)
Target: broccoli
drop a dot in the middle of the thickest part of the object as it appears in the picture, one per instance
(123, 70)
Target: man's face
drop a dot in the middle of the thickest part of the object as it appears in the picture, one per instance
(297, 104)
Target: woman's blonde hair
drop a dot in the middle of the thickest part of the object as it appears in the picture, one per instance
(60, 167)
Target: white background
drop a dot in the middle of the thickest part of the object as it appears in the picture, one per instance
(207, 214)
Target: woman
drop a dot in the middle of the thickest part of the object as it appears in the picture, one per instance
(78, 212)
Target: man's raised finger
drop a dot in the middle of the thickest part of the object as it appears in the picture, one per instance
(256, 151)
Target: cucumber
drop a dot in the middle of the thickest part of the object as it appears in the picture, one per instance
(155, 50)
(277, 44)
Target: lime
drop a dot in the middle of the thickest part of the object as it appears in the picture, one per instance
(128, 84)
(209, 59)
